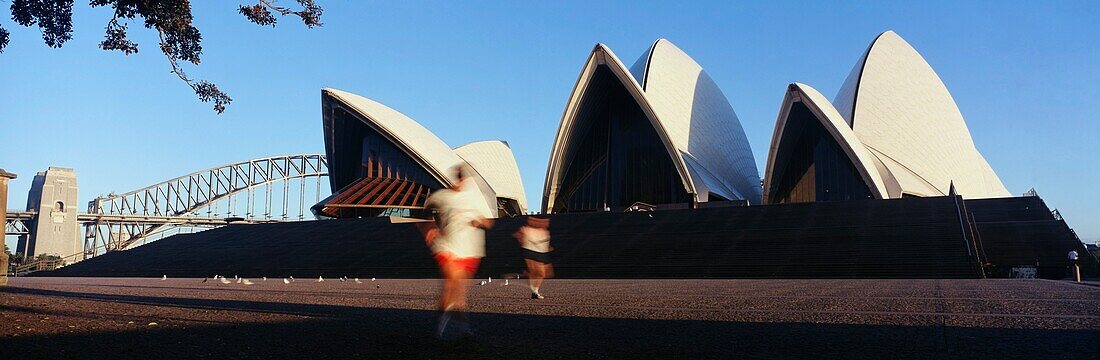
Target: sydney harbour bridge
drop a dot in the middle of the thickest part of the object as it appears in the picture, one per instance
(273, 189)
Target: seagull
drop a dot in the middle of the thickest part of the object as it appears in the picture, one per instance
(490, 279)
(505, 282)
(285, 281)
(482, 283)
(165, 277)
(265, 278)
(235, 277)
(239, 280)
(247, 282)
(292, 279)
(217, 276)
(343, 279)
(357, 281)
(224, 280)
(371, 279)
(320, 279)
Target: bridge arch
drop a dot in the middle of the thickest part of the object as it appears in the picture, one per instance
(121, 221)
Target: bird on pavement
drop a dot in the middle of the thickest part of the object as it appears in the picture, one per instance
(357, 281)
(224, 280)
(320, 279)
(204, 280)
(165, 277)
(265, 278)
(292, 278)
(285, 281)
(246, 282)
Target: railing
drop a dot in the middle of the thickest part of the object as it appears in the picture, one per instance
(38, 265)
(46, 264)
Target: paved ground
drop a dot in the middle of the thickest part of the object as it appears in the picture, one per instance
(114, 318)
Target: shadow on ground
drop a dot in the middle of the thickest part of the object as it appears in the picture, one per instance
(328, 331)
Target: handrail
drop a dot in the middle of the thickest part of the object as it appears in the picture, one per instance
(49, 263)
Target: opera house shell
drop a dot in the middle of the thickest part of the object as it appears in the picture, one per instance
(493, 161)
(660, 133)
(381, 162)
(895, 131)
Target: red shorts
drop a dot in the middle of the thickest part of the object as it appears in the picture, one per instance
(468, 264)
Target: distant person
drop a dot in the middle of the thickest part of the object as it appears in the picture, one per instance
(458, 242)
(1072, 256)
(534, 238)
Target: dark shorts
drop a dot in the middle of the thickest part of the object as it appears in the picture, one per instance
(537, 256)
(468, 264)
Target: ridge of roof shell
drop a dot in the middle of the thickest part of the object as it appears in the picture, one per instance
(485, 141)
(901, 110)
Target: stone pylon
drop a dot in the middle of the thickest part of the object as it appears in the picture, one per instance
(4, 177)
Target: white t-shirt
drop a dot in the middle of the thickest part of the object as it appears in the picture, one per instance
(535, 239)
(457, 235)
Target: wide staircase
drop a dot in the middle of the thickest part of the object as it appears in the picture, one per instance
(901, 238)
(1024, 232)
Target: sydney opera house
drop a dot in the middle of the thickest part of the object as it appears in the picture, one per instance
(651, 175)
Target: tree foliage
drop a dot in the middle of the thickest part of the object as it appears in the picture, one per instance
(180, 40)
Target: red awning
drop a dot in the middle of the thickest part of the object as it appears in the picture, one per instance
(375, 193)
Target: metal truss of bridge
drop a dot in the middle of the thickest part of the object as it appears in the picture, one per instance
(263, 190)
(123, 220)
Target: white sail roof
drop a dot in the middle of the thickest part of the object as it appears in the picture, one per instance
(419, 143)
(902, 112)
(494, 161)
(699, 119)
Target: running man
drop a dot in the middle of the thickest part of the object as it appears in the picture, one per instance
(535, 240)
(458, 242)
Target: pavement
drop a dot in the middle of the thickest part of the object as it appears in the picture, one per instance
(122, 318)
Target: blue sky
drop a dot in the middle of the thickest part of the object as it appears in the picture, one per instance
(1023, 73)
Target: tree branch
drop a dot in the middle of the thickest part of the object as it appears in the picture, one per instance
(116, 38)
(206, 90)
(261, 12)
(3, 39)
